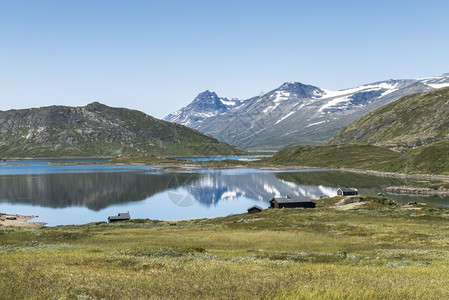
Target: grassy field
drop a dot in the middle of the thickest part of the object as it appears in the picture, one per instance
(429, 159)
(373, 251)
(349, 156)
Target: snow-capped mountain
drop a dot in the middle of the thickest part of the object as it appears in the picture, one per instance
(294, 113)
(207, 104)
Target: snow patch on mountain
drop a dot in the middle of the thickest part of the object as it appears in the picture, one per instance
(316, 123)
(280, 96)
(342, 99)
(436, 82)
(438, 85)
(230, 102)
(333, 103)
(293, 113)
(284, 117)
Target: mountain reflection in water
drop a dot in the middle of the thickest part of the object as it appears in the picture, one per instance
(93, 190)
(76, 194)
(99, 190)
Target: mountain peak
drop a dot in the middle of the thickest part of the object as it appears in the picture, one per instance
(292, 83)
(206, 104)
(301, 90)
(208, 98)
(95, 105)
(207, 93)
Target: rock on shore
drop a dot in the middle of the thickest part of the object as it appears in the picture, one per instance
(18, 221)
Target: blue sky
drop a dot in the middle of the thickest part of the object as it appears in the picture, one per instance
(156, 56)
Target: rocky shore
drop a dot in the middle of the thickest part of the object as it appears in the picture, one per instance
(444, 178)
(18, 221)
(416, 191)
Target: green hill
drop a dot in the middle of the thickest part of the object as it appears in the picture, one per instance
(429, 159)
(339, 156)
(97, 130)
(411, 121)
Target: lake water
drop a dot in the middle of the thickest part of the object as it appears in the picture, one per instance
(78, 194)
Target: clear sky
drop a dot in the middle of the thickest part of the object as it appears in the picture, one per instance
(156, 56)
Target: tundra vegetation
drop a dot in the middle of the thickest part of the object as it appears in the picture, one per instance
(358, 248)
(428, 159)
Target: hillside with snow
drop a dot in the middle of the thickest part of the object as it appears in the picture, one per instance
(294, 113)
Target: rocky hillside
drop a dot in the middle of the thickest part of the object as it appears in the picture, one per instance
(294, 113)
(97, 130)
(412, 121)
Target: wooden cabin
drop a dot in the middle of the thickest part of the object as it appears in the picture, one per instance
(347, 192)
(291, 202)
(255, 209)
(119, 217)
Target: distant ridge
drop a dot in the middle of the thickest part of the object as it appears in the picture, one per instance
(411, 121)
(294, 113)
(97, 130)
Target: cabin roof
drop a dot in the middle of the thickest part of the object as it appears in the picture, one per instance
(348, 189)
(124, 215)
(255, 206)
(290, 199)
(120, 216)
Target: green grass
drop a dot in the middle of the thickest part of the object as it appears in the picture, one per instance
(341, 156)
(377, 251)
(429, 159)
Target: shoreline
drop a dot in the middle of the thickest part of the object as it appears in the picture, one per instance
(161, 166)
(164, 166)
(444, 178)
(12, 220)
(16, 220)
(406, 190)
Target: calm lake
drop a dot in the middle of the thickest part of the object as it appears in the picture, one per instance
(78, 194)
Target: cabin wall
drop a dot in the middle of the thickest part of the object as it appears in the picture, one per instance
(297, 205)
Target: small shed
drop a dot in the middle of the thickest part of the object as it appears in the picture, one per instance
(119, 217)
(255, 209)
(291, 202)
(347, 192)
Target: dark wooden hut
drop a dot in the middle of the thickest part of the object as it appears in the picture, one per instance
(254, 209)
(291, 202)
(347, 192)
(119, 217)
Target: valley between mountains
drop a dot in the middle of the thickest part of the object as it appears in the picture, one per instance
(393, 126)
